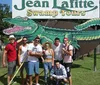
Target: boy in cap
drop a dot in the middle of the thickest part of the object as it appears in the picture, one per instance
(11, 53)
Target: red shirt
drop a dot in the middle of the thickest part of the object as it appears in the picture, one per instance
(11, 52)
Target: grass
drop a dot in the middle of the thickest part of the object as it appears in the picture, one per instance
(82, 73)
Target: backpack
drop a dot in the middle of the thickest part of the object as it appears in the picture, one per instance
(74, 53)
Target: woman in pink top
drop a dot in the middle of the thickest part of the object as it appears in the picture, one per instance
(67, 52)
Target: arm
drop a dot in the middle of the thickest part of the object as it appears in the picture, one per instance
(33, 53)
(62, 52)
(42, 58)
(52, 57)
(4, 58)
(19, 52)
(43, 54)
(69, 52)
(52, 73)
(18, 41)
(36, 54)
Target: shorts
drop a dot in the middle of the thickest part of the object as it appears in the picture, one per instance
(11, 67)
(32, 67)
(68, 68)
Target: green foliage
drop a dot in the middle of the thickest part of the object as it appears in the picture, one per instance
(4, 13)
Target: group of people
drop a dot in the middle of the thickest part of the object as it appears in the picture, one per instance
(56, 58)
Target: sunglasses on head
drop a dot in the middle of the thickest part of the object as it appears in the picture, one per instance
(47, 44)
(37, 40)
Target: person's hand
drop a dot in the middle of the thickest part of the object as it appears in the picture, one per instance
(42, 59)
(30, 52)
(22, 37)
(63, 49)
(19, 64)
(58, 77)
(54, 76)
(4, 64)
(51, 77)
(52, 64)
(43, 51)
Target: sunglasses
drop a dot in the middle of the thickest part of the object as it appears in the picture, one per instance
(24, 40)
(47, 44)
(37, 40)
(12, 39)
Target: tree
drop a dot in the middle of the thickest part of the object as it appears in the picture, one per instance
(4, 13)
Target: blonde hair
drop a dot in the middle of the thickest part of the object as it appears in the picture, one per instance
(44, 45)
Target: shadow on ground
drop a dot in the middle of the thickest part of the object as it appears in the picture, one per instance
(3, 79)
(76, 66)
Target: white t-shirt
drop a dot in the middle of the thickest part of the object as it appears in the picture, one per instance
(67, 58)
(33, 48)
(58, 52)
(23, 53)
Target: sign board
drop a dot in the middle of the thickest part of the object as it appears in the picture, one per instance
(56, 9)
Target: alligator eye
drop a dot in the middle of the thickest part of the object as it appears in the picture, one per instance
(25, 18)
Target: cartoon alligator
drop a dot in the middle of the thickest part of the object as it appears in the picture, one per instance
(49, 33)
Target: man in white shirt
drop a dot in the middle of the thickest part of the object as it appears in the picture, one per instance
(34, 52)
(57, 47)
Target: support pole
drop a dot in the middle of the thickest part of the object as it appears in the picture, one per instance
(95, 55)
(95, 59)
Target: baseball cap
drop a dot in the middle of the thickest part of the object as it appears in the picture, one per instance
(66, 39)
(12, 37)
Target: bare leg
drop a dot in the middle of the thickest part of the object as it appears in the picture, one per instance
(30, 79)
(37, 78)
(70, 80)
(27, 79)
(22, 78)
(22, 75)
(66, 80)
(9, 78)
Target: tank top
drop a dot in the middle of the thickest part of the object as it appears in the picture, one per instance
(68, 58)
(23, 53)
(48, 54)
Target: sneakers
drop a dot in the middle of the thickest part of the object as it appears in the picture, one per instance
(37, 84)
(65, 84)
(13, 82)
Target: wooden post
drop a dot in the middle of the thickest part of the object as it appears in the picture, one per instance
(95, 55)
(95, 59)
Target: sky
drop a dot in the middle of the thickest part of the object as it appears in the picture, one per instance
(9, 2)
